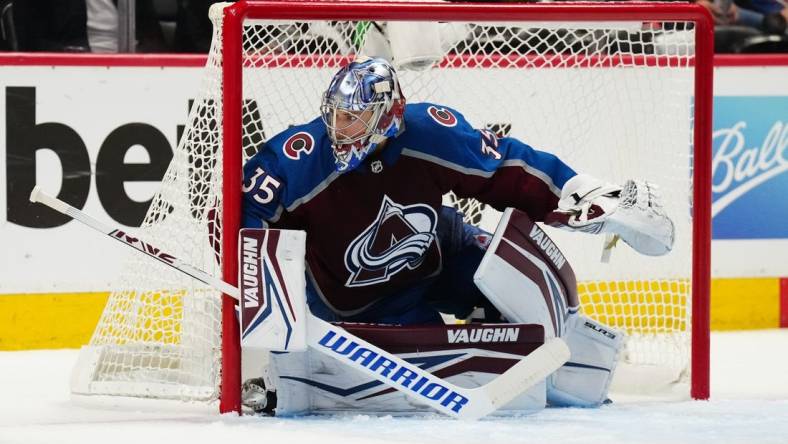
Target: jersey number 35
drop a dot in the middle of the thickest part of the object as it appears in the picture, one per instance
(266, 190)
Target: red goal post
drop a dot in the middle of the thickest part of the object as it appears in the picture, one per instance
(232, 84)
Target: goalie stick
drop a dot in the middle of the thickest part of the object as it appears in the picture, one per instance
(424, 387)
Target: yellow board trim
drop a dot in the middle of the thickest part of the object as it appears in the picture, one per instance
(37, 321)
(745, 304)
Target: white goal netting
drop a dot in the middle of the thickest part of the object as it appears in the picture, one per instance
(612, 99)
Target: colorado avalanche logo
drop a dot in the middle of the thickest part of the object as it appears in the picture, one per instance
(396, 240)
(298, 143)
(442, 116)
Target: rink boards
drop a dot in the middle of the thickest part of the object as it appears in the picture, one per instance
(49, 299)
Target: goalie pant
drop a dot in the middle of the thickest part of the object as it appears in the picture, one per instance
(520, 272)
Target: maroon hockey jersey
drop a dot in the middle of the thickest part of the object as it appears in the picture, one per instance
(371, 232)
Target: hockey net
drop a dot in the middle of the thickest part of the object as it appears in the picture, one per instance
(610, 89)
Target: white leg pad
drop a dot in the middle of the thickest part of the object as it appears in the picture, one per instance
(585, 379)
(526, 277)
(311, 382)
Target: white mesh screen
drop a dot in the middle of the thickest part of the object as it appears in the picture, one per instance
(613, 100)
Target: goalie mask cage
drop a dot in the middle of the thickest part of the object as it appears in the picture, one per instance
(616, 90)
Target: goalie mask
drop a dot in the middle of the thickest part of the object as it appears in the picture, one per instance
(362, 107)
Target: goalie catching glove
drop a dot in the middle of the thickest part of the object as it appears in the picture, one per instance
(633, 212)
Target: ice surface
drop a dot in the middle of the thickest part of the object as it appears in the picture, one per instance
(749, 405)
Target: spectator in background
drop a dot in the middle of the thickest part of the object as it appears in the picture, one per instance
(723, 12)
(743, 26)
(81, 26)
(767, 15)
(150, 37)
(51, 25)
(193, 30)
(102, 25)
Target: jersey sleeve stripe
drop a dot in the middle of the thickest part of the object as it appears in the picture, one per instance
(444, 163)
(530, 169)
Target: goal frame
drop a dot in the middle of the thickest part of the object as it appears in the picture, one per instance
(232, 85)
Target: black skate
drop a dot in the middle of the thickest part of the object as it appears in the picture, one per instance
(256, 397)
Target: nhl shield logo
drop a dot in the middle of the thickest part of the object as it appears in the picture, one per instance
(396, 240)
(376, 166)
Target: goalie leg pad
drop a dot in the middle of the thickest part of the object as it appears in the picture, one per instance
(466, 355)
(526, 277)
(584, 380)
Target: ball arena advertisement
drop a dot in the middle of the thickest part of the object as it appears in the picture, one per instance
(750, 159)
